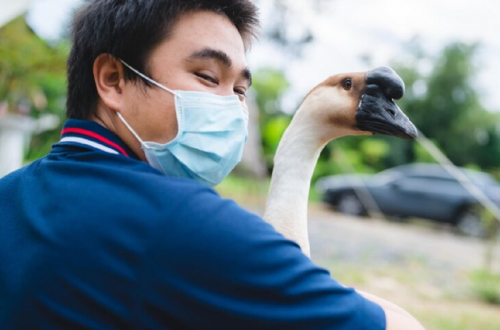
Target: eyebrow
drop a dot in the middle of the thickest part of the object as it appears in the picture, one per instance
(221, 57)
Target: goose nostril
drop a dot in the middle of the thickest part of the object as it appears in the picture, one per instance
(391, 112)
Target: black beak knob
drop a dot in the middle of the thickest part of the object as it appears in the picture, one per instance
(386, 80)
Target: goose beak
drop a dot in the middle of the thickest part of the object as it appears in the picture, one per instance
(377, 112)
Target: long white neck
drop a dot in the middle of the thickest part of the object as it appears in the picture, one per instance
(294, 163)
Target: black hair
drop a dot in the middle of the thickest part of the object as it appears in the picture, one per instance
(130, 30)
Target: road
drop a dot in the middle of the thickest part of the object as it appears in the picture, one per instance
(345, 238)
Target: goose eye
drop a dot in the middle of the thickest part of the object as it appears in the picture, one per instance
(347, 84)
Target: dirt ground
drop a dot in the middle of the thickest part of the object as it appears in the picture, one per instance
(423, 268)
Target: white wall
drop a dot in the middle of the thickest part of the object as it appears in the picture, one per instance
(15, 132)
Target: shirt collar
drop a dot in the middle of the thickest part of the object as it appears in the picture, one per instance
(89, 134)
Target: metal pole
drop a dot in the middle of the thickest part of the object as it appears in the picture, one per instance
(463, 179)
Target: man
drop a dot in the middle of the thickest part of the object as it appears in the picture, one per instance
(117, 228)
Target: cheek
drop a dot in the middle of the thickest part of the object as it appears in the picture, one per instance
(162, 119)
(346, 122)
(344, 113)
(154, 114)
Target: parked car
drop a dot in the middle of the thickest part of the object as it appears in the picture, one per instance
(417, 190)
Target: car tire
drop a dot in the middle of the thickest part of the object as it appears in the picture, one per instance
(349, 203)
(469, 223)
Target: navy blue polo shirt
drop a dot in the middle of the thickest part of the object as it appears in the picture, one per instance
(93, 238)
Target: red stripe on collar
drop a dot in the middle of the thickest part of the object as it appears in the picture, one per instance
(95, 136)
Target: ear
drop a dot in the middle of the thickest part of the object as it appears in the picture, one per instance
(109, 81)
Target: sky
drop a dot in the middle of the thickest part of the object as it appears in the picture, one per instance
(348, 29)
(345, 30)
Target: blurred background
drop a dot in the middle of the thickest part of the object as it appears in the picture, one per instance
(385, 215)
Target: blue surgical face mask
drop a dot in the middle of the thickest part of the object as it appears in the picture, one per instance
(212, 131)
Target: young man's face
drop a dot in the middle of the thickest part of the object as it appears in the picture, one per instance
(204, 52)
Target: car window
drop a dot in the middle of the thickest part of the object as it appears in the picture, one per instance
(481, 179)
(385, 177)
(432, 175)
(429, 184)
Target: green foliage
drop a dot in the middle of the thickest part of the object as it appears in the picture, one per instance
(32, 73)
(422, 155)
(446, 106)
(325, 167)
(486, 286)
(341, 157)
(373, 150)
(272, 132)
(269, 86)
(28, 67)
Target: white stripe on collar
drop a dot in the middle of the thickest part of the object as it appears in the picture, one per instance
(89, 143)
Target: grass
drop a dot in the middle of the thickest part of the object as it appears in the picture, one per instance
(486, 286)
(453, 306)
(245, 191)
(251, 191)
(467, 316)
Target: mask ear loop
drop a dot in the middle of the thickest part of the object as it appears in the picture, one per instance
(157, 84)
(143, 145)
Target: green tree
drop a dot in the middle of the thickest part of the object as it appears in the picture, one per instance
(32, 74)
(269, 86)
(446, 106)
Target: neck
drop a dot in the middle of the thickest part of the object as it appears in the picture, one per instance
(294, 165)
(109, 119)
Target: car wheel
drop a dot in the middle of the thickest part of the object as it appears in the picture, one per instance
(469, 223)
(349, 203)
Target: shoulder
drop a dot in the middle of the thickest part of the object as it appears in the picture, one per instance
(113, 184)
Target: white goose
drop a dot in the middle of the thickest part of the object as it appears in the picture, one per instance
(345, 104)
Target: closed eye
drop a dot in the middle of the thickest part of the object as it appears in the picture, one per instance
(207, 78)
(212, 80)
(241, 91)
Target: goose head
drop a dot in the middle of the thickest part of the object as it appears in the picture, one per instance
(359, 103)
